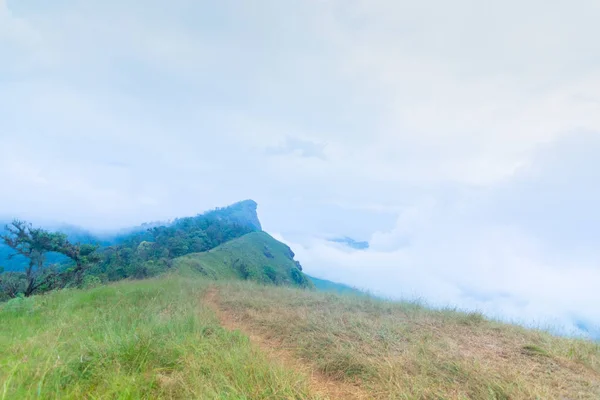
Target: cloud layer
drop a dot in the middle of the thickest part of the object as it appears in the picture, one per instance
(523, 251)
(460, 139)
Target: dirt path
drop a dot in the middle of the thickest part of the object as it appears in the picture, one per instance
(319, 383)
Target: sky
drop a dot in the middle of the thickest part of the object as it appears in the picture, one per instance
(461, 139)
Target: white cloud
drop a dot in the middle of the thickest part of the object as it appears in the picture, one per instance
(523, 251)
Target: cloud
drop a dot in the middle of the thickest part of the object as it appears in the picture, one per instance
(524, 251)
(459, 138)
(303, 148)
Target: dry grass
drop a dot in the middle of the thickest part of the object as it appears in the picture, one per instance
(404, 351)
(320, 384)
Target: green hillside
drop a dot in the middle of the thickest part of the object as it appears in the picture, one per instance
(255, 256)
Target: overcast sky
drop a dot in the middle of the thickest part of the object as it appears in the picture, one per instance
(461, 139)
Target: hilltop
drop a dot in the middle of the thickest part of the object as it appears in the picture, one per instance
(256, 256)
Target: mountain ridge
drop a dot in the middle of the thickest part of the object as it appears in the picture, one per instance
(243, 213)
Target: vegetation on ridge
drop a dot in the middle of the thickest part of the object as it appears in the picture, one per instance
(33, 244)
(143, 252)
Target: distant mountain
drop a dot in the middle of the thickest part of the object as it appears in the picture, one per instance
(351, 243)
(329, 286)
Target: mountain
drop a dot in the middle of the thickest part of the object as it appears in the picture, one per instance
(330, 286)
(256, 256)
(351, 243)
(178, 237)
(242, 213)
(222, 243)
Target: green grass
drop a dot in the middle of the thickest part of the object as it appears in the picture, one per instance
(132, 340)
(255, 256)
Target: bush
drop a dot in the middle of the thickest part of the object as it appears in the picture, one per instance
(298, 277)
(267, 252)
(271, 274)
(20, 304)
(91, 281)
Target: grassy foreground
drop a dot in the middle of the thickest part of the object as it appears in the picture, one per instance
(161, 338)
(405, 351)
(132, 340)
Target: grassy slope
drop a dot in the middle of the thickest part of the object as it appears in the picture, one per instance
(255, 251)
(132, 340)
(157, 339)
(404, 351)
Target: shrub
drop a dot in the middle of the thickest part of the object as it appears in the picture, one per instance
(271, 274)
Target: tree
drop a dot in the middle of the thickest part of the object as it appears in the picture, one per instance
(298, 277)
(83, 255)
(33, 244)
